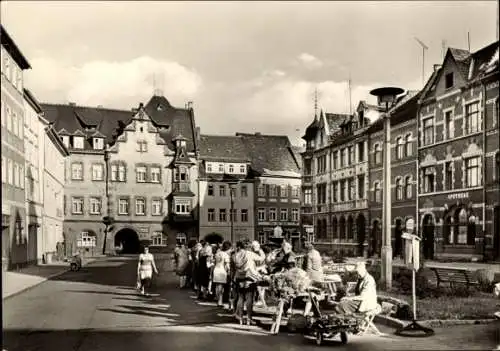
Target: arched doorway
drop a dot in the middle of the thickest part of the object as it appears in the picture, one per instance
(361, 229)
(350, 229)
(128, 240)
(214, 238)
(376, 238)
(428, 227)
(398, 242)
(342, 229)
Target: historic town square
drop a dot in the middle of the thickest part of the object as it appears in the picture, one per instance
(261, 175)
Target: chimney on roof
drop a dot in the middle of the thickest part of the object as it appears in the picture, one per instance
(141, 105)
(436, 67)
(189, 105)
(72, 103)
(258, 133)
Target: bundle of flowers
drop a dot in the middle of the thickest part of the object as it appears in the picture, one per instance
(289, 283)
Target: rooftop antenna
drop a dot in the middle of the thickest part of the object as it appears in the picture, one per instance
(350, 101)
(315, 102)
(468, 40)
(424, 47)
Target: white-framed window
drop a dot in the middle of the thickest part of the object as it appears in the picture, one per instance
(244, 191)
(284, 191)
(352, 155)
(98, 143)
(19, 79)
(448, 175)
(122, 172)
(222, 215)
(210, 190)
(400, 148)
(378, 153)
(222, 190)
(472, 172)
(284, 214)
(377, 192)
(472, 123)
(2, 114)
(233, 215)
(86, 240)
(243, 169)
(77, 205)
(20, 122)
(95, 205)
(155, 174)
(209, 167)
(244, 215)
(408, 187)
(123, 206)
(449, 124)
(296, 191)
(77, 171)
(261, 212)
(158, 239)
(142, 146)
(140, 206)
(211, 215)
(295, 214)
(8, 113)
(273, 189)
(272, 214)
(78, 142)
(428, 129)
(429, 179)
(182, 208)
(408, 145)
(16, 175)
(4, 169)
(7, 66)
(15, 125)
(181, 238)
(10, 168)
(140, 173)
(231, 168)
(97, 171)
(399, 189)
(181, 174)
(65, 140)
(261, 190)
(308, 196)
(156, 207)
(22, 178)
(221, 168)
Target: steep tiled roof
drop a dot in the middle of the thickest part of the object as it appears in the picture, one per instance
(180, 121)
(111, 122)
(334, 120)
(270, 152)
(10, 45)
(483, 57)
(223, 148)
(462, 60)
(410, 94)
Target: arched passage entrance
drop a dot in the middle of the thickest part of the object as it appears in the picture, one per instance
(214, 238)
(376, 238)
(361, 229)
(428, 236)
(128, 240)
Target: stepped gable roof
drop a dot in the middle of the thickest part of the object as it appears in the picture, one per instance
(484, 58)
(72, 118)
(270, 152)
(223, 148)
(175, 121)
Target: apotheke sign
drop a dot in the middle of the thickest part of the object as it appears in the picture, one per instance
(458, 196)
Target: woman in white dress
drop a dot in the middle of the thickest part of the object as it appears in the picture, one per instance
(145, 269)
(221, 272)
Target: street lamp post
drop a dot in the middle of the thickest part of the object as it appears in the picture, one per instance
(107, 220)
(387, 96)
(232, 188)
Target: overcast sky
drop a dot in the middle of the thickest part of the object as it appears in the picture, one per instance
(247, 66)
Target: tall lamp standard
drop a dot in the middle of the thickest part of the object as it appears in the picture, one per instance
(107, 220)
(232, 189)
(386, 97)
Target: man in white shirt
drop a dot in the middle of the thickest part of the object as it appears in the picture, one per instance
(313, 265)
(366, 294)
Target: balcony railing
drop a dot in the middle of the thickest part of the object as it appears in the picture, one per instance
(181, 187)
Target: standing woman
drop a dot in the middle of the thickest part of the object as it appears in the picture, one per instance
(221, 272)
(145, 269)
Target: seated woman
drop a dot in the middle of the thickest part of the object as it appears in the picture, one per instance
(365, 298)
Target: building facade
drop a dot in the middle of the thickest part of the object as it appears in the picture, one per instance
(403, 155)
(226, 190)
(130, 177)
(275, 169)
(457, 152)
(14, 224)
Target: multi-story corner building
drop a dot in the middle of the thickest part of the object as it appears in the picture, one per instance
(33, 147)
(226, 189)
(137, 167)
(276, 172)
(403, 173)
(458, 143)
(14, 225)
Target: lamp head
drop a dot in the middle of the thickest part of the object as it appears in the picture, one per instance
(386, 95)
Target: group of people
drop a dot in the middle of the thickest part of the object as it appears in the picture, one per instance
(232, 274)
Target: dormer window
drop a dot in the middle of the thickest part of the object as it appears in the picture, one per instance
(231, 169)
(243, 169)
(221, 168)
(65, 140)
(98, 143)
(209, 167)
(181, 143)
(78, 142)
(142, 146)
(449, 80)
(159, 107)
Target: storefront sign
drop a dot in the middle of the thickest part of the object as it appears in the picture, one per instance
(458, 196)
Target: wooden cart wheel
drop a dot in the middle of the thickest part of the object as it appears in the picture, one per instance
(343, 338)
(319, 338)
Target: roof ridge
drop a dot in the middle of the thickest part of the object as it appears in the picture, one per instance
(83, 106)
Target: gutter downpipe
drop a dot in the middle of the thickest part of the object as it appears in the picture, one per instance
(483, 171)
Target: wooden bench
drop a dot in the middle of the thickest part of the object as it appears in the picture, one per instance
(454, 276)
